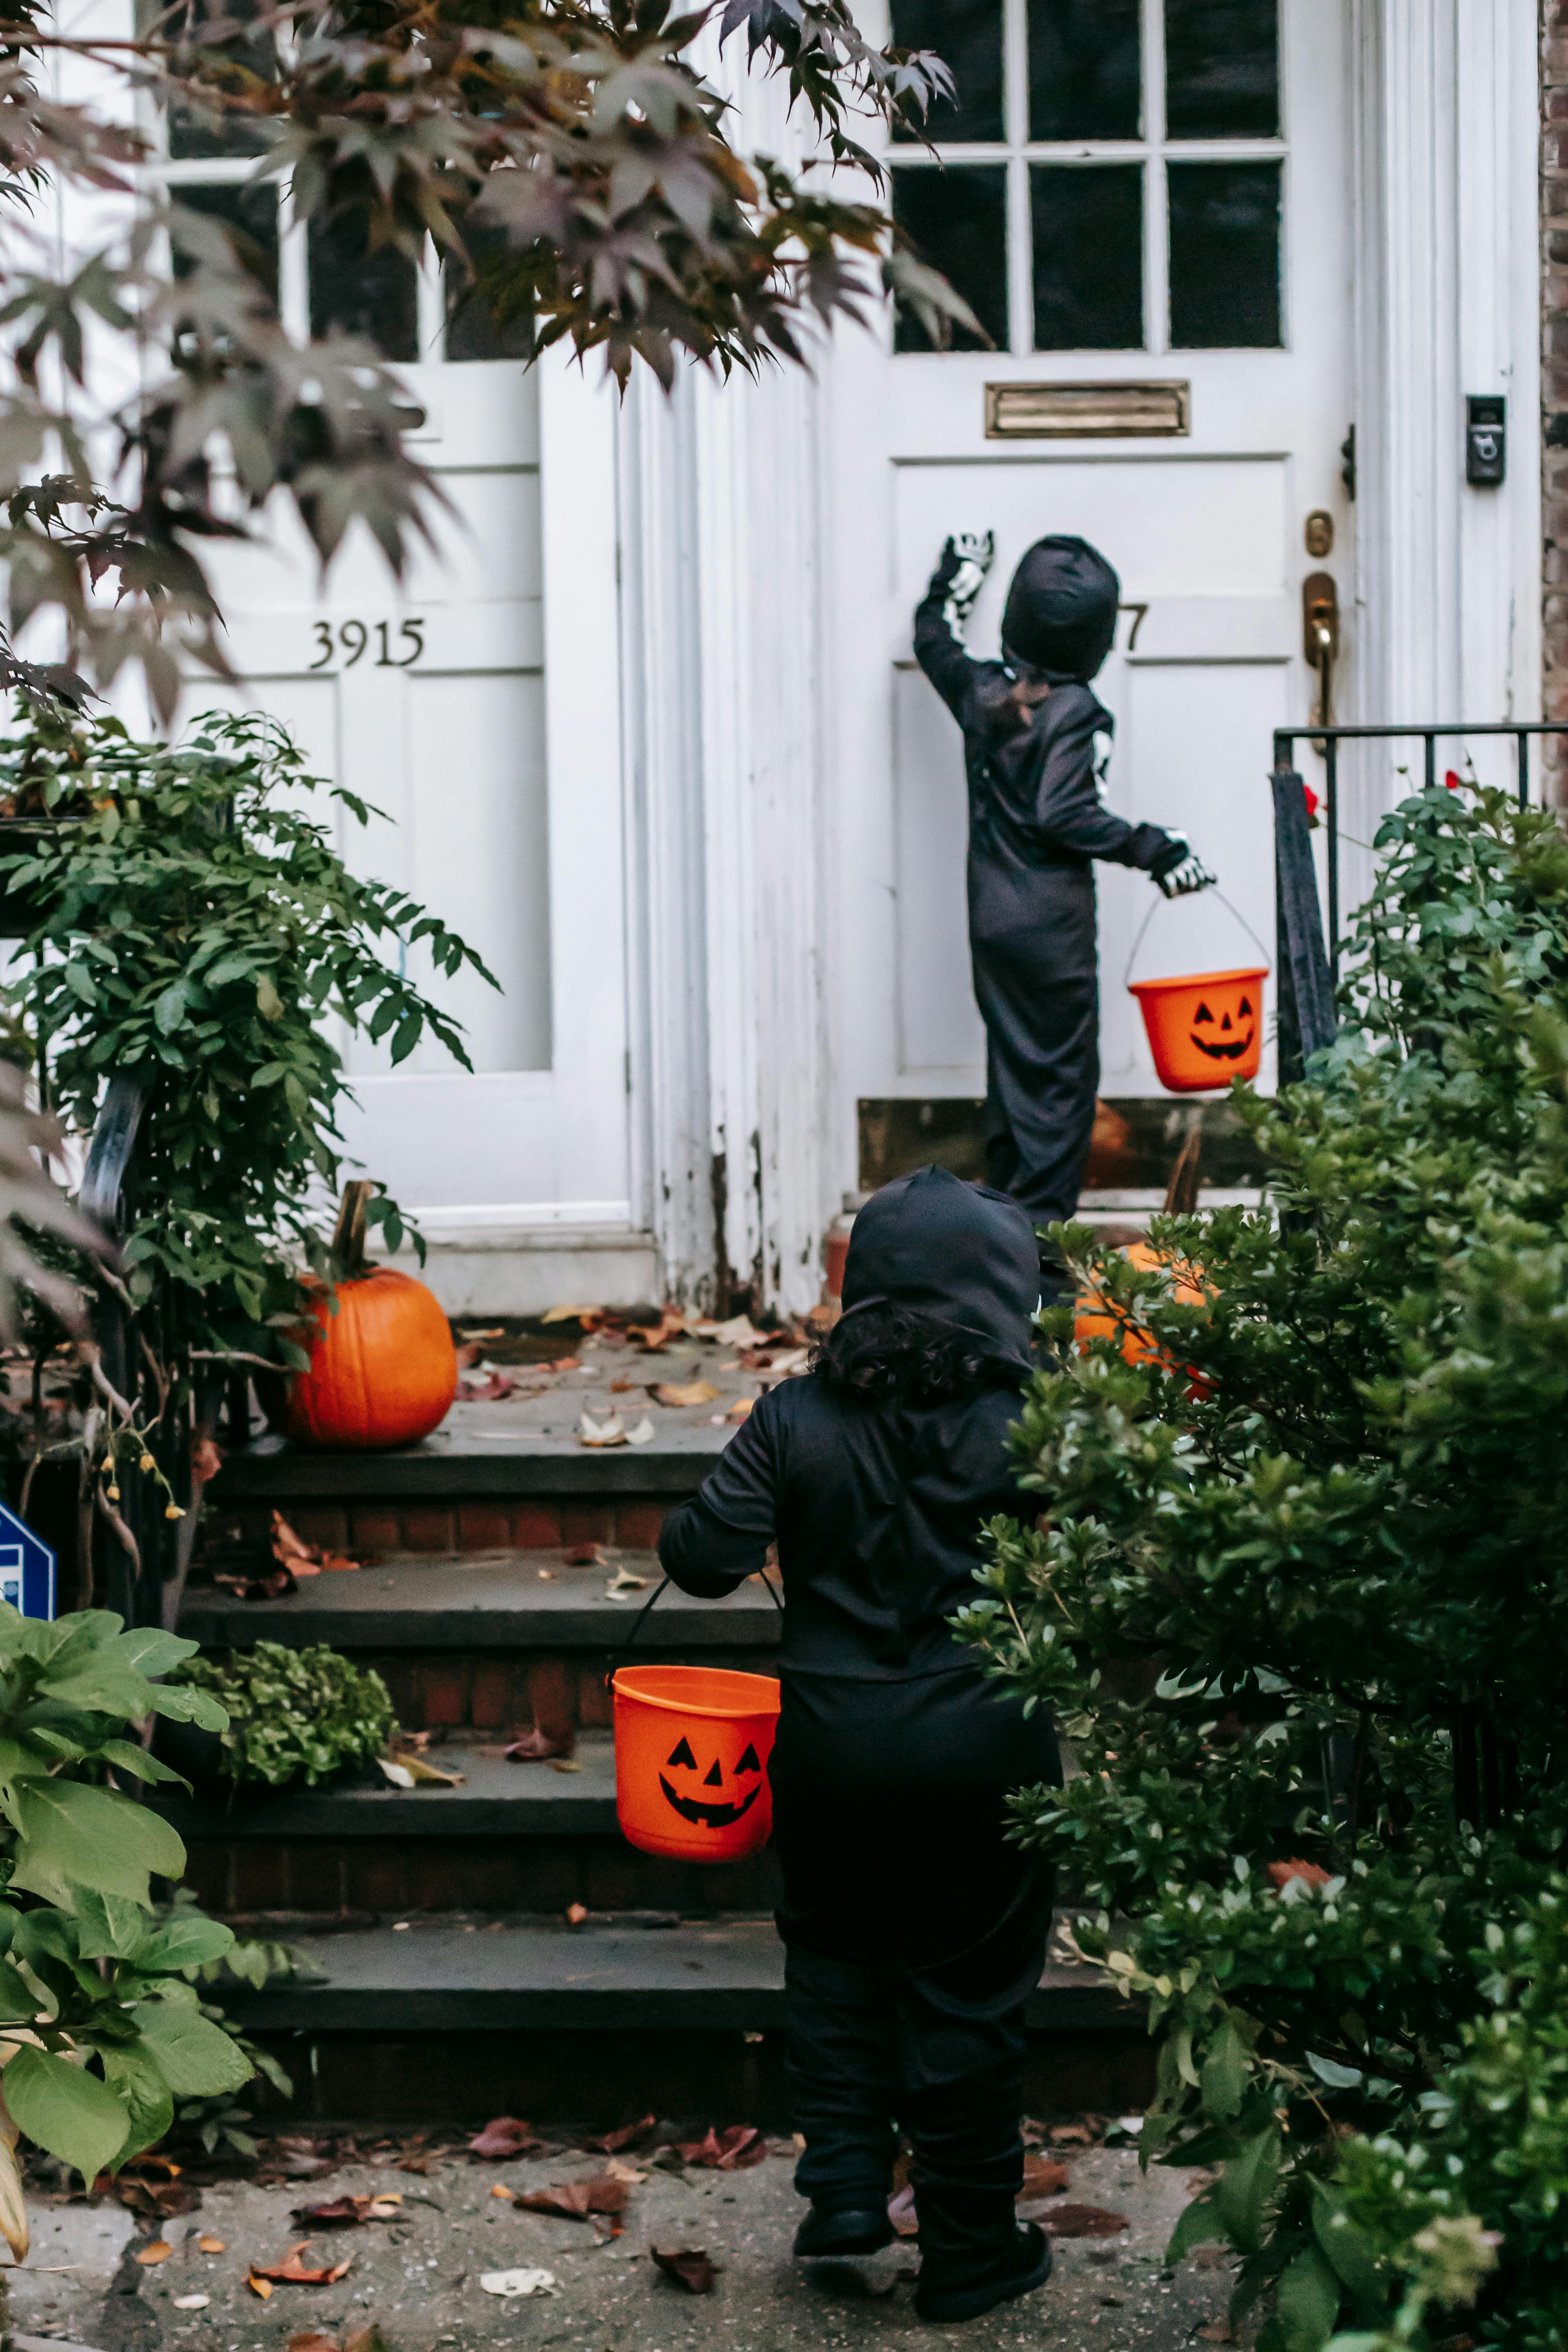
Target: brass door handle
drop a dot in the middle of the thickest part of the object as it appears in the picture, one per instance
(1320, 639)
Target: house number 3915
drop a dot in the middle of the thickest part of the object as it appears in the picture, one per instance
(350, 639)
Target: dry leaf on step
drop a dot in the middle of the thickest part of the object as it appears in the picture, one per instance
(574, 2200)
(213, 2245)
(505, 2135)
(192, 2302)
(1081, 2221)
(157, 2252)
(259, 2286)
(601, 1433)
(624, 1582)
(513, 2284)
(398, 1774)
(688, 2266)
(1043, 2176)
(627, 2135)
(310, 2339)
(902, 2212)
(641, 1433)
(732, 2149)
(740, 1408)
(678, 1392)
(569, 1313)
(293, 2272)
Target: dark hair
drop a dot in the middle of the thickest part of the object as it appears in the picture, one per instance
(891, 1355)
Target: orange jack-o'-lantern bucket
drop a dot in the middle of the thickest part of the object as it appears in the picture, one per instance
(692, 1745)
(1204, 1028)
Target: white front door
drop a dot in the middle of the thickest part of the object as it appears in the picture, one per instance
(476, 709)
(1146, 204)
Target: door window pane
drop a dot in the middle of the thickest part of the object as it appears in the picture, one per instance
(474, 331)
(1225, 256)
(363, 293)
(194, 136)
(1222, 68)
(1084, 69)
(1088, 222)
(956, 220)
(966, 35)
(251, 213)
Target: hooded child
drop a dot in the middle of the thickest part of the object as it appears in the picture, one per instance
(1036, 743)
(914, 1933)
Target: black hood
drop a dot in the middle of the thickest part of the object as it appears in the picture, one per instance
(959, 1252)
(1060, 614)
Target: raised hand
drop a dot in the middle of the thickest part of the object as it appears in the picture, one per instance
(966, 558)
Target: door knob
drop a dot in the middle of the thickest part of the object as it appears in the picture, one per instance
(1320, 639)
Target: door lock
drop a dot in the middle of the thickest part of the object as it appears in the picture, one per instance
(1320, 639)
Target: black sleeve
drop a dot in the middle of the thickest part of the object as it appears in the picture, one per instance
(721, 1536)
(1067, 807)
(938, 651)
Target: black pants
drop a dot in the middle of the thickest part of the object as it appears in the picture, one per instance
(1042, 1074)
(914, 1936)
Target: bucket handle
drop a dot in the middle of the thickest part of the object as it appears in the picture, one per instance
(621, 1655)
(1154, 906)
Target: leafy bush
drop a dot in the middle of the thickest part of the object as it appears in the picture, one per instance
(100, 2029)
(1298, 1590)
(293, 1715)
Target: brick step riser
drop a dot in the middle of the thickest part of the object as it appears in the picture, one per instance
(596, 2081)
(394, 1878)
(480, 1523)
(561, 1691)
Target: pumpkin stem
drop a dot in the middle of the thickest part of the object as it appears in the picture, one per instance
(348, 1240)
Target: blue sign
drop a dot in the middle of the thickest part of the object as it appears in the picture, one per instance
(26, 1568)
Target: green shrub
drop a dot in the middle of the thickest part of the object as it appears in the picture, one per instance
(1310, 1606)
(294, 1715)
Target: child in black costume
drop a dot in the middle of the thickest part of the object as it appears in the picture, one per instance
(1035, 745)
(914, 1931)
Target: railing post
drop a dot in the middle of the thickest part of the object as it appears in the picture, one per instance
(1306, 990)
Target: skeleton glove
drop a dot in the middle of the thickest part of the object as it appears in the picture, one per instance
(1187, 874)
(965, 560)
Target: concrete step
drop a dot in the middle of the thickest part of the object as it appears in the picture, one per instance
(494, 1640)
(541, 2019)
(515, 1838)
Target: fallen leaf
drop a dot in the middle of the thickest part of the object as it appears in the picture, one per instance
(587, 1555)
(486, 1387)
(160, 2200)
(678, 1392)
(340, 2212)
(1081, 2221)
(570, 1314)
(902, 2213)
(731, 2150)
(1218, 2331)
(505, 2135)
(601, 1433)
(565, 1364)
(642, 1434)
(564, 1764)
(1043, 2177)
(575, 1913)
(738, 1332)
(624, 1582)
(426, 1775)
(293, 2272)
(740, 1410)
(1311, 1874)
(258, 2285)
(500, 2189)
(513, 2284)
(157, 2252)
(688, 2266)
(627, 2136)
(396, 1772)
(1072, 2136)
(366, 2338)
(213, 2245)
(312, 2339)
(536, 1747)
(574, 2200)
(200, 2303)
(779, 1363)
(618, 2168)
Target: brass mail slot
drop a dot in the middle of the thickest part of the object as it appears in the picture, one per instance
(1061, 412)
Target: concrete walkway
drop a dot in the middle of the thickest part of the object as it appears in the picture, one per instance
(418, 2276)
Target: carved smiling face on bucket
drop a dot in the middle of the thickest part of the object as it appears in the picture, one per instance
(1222, 1031)
(715, 1794)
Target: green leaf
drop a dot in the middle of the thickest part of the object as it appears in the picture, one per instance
(1199, 2223)
(1330, 2071)
(182, 1944)
(74, 1836)
(184, 1706)
(1310, 2296)
(140, 1762)
(1226, 2071)
(1245, 2187)
(107, 1927)
(136, 2082)
(170, 1009)
(1349, 2250)
(65, 2110)
(196, 2057)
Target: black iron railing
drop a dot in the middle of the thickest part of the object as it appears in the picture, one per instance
(1309, 965)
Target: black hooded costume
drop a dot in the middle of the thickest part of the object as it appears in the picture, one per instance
(1036, 820)
(914, 1932)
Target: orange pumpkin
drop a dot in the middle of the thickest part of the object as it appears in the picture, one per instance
(1093, 1319)
(383, 1370)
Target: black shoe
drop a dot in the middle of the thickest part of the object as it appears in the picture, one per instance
(1026, 2266)
(843, 2229)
